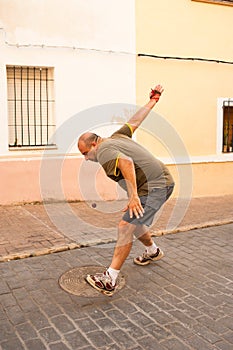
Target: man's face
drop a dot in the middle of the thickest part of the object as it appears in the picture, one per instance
(89, 152)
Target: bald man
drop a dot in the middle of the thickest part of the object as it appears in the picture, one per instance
(148, 184)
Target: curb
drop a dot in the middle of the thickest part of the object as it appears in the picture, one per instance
(192, 227)
(72, 246)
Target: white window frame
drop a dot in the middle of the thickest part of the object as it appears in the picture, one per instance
(19, 99)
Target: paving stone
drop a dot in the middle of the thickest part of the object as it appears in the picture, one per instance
(198, 343)
(96, 314)
(6, 330)
(62, 323)
(86, 325)
(12, 343)
(223, 345)
(188, 310)
(194, 302)
(182, 317)
(145, 306)
(212, 312)
(179, 330)
(126, 306)
(163, 306)
(171, 299)
(7, 300)
(206, 333)
(116, 315)
(58, 346)
(3, 287)
(35, 344)
(135, 331)
(216, 326)
(26, 331)
(226, 321)
(140, 318)
(38, 320)
(174, 344)
(157, 332)
(122, 338)
(149, 343)
(106, 324)
(76, 340)
(41, 297)
(15, 314)
(179, 293)
(162, 317)
(228, 336)
(51, 309)
(49, 334)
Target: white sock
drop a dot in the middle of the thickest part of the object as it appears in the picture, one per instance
(152, 248)
(113, 274)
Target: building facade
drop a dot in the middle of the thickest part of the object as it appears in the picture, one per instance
(56, 61)
(66, 69)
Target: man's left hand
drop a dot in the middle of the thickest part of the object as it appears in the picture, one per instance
(135, 208)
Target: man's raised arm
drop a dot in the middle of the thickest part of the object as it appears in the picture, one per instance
(136, 120)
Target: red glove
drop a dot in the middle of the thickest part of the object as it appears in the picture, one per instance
(155, 95)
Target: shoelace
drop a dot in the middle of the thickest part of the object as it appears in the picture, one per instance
(104, 277)
(145, 255)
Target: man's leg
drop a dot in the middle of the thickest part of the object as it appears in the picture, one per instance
(124, 244)
(106, 282)
(152, 253)
(144, 235)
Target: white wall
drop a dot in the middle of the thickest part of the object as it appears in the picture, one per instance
(44, 33)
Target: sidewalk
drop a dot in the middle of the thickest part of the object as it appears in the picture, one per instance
(182, 302)
(34, 230)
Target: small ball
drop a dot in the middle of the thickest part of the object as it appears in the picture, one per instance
(93, 205)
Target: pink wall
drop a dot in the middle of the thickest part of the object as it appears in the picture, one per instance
(22, 181)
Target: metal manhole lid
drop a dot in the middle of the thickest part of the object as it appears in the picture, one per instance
(73, 281)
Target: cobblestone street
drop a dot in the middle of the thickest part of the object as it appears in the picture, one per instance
(183, 301)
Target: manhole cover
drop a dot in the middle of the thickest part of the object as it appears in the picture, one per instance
(73, 281)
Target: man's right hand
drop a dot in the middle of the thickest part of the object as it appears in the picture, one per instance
(156, 92)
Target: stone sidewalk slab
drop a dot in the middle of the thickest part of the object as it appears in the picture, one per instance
(32, 230)
(182, 302)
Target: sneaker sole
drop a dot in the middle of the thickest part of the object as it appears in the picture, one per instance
(160, 256)
(92, 283)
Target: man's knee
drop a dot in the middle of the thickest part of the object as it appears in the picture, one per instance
(125, 232)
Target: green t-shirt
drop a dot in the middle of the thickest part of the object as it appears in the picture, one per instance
(150, 172)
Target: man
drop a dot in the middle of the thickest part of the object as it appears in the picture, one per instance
(148, 184)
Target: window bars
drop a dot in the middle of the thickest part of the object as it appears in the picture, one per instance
(30, 106)
(227, 126)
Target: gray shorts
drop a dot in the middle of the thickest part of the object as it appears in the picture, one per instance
(151, 204)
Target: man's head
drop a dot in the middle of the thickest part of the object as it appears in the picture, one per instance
(87, 144)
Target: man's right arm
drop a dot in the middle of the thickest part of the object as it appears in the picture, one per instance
(136, 120)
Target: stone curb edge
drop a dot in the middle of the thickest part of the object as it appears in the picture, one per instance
(71, 246)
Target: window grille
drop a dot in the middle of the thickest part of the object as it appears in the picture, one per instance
(30, 106)
(228, 126)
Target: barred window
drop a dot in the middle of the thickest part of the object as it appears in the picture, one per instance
(30, 106)
(227, 126)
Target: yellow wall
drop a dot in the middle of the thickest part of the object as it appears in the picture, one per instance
(189, 101)
(185, 29)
